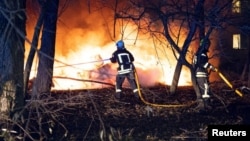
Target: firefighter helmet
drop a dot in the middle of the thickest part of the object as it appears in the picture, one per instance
(120, 44)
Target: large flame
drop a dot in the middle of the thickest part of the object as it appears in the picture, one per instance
(85, 46)
(89, 61)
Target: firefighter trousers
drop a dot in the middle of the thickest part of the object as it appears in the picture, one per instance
(131, 79)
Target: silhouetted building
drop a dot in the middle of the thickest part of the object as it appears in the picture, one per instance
(236, 38)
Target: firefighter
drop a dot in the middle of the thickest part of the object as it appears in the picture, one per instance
(202, 69)
(125, 70)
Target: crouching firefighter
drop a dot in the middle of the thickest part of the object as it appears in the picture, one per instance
(202, 69)
(125, 69)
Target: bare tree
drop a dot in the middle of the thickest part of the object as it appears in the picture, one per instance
(34, 46)
(40, 122)
(43, 80)
(12, 37)
(196, 18)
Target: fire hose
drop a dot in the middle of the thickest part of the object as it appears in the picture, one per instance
(168, 105)
(155, 104)
(183, 105)
(227, 82)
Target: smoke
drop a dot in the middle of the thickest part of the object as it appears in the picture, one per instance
(84, 38)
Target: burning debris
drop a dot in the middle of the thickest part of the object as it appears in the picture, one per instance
(86, 40)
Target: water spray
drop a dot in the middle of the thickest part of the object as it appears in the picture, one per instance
(83, 63)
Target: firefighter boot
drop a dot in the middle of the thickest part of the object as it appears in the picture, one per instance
(200, 105)
(207, 105)
(136, 94)
(117, 96)
(137, 98)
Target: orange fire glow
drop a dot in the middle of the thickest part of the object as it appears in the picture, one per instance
(83, 41)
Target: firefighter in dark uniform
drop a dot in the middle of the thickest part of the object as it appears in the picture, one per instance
(125, 69)
(202, 70)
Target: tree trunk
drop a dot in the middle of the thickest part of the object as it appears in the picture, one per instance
(43, 81)
(182, 60)
(176, 77)
(33, 48)
(12, 30)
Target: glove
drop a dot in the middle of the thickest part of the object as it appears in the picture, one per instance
(211, 67)
(112, 60)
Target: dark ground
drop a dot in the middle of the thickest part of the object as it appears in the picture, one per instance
(99, 115)
(94, 115)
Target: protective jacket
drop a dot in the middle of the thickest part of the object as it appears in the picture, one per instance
(124, 59)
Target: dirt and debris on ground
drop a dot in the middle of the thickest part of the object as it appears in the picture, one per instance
(94, 115)
(99, 115)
